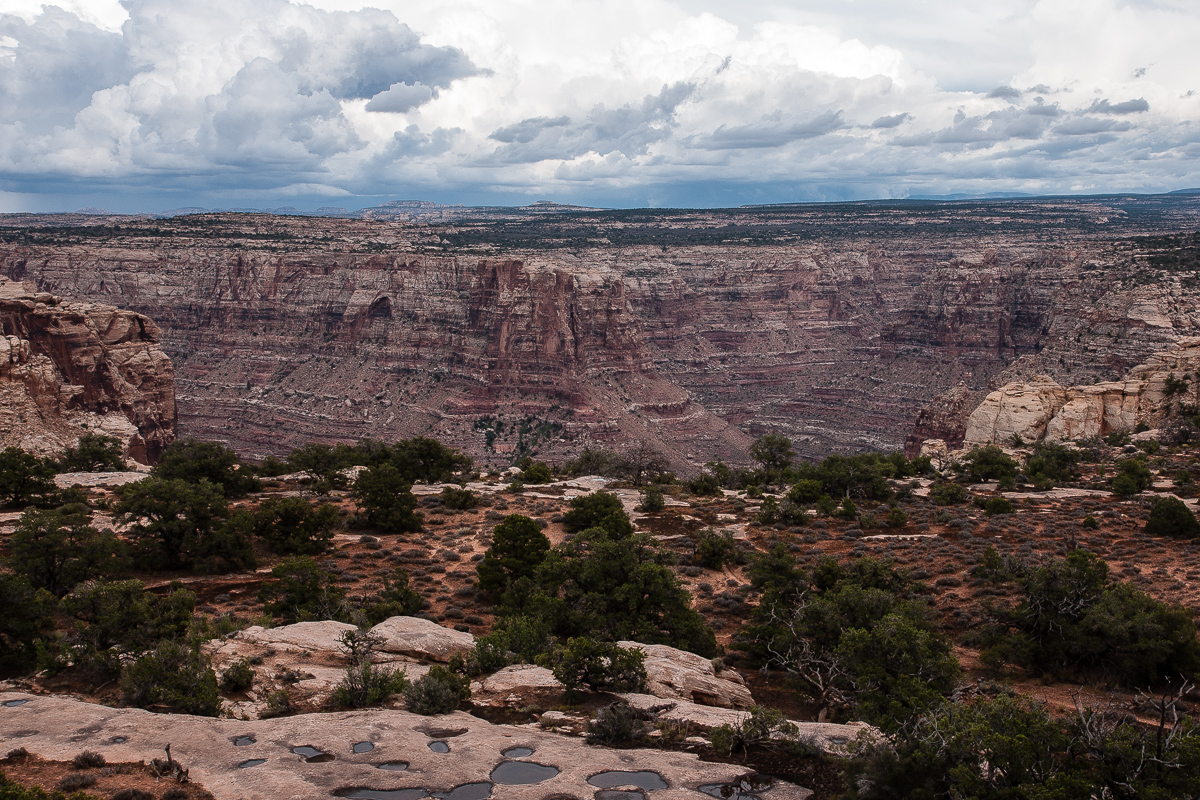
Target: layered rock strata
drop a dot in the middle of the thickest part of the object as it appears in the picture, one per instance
(68, 368)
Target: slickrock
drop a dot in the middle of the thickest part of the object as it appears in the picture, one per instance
(69, 368)
(1043, 410)
(325, 635)
(678, 674)
(422, 638)
(265, 768)
(517, 686)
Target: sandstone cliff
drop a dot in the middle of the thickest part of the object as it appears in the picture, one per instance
(1042, 409)
(72, 368)
(696, 331)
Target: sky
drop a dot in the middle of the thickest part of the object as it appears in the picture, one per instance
(147, 105)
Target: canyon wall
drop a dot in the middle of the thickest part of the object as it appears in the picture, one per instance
(696, 331)
(68, 368)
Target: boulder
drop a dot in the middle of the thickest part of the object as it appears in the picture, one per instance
(323, 636)
(680, 675)
(422, 638)
(517, 686)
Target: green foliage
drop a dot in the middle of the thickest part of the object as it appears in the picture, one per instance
(808, 490)
(439, 691)
(194, 461)
(176, 524)
(120, 618)
(997, 505)
(987, 463)
(595, 461)
(11, 790)
(599, 666)
(93, 453)
(293, 526)
(705, 484)
(896, 518)
(596, 510)
(760, 726)
(237, 677)
(57, 549)
(1073, 617)
(175, 675)
(535, 472)
(947, 494)
(518, 549)
(853, 634)
(323, 463)
(428, 460)
(1133, 477)
(714, 550)
(396, 599)
(1089, 523)
(26, 612)
(1171, 517)
(25, 478)
(366, 683)
(302, 591)
(459, 499)
(774, 452)
(863, 476)
(652, 500)
(513, 640)
(386, 499)
(615, 725)
(1051, 464)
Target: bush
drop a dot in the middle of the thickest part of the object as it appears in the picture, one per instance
(705, 485)
(238, 677)
(428, 460)
(760, 726)
(387, 500)
(302, 591)
(896, 518)
(536, 472)
(366, 683)
(652, 500)
(1051, 464)
(1133, 477)
(948, 494)
(24, 478)
(57, 549)
(292, 526)
(596, 510)
(173, 675)
(74, 781)
(987, 463)
(1171, 517)
(439, 691)
(518, 548)
(774, 452)
(88, 759)
(514, 640)
(93, 453)
(459, 499)
(177, 523)
(998, 505)
(115, 620)
(600, 666)
(615, 725)
(193, 461)
(715, 550)
(395, 599)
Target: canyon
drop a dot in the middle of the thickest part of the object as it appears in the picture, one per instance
(694, 331)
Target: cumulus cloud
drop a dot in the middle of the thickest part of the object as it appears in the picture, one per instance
(632, 100)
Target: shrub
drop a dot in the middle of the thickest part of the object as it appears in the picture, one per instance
(24, 478)
(193, 461)
(518, 548)
(600, 666)
(948, 494)
(705, 485)
(428, 460)
(74, 781)
(366, 683)
(714, 550)
(536, 473)
(395, 599)
(116, 619)
(238, 677)
(1171, 517)
(760, 726)
(93, 453)
(292, 526)
(57, 549)
(652, 500)
(386, 498)
(517, 639)
(987, 463)
(806, 491)
(998, 505)
(302, 591)
(459, 499)
(279, 704)
(596, 510)
(615, 725)
(439, 691)
(323, 463)
(88, 759)
(896, 518)
(173, 675)
(1089, 523)
(1133, 477)
(774, 452)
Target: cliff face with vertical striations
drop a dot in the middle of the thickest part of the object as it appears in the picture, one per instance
(71, 368)
(694, 330)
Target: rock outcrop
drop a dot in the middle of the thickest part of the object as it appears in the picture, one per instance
(69, 368)
(1041, 409)
(680, 675)
(422, 638)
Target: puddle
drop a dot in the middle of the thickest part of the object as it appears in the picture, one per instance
(119, 740)
(244, 741)
(439, 747)
(642, 780)
(381, 794)
(619, 794)
(520, 773)
(740, 789)
(363, 747)
(312, 755)
(254, 762)
(517, 752)
(394, 766)
(15, 703)
(468, 791)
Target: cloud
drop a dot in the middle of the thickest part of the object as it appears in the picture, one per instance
(401, 98)
(770, 133)
(1128, 107)
(1005, 93)
(891, 122)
